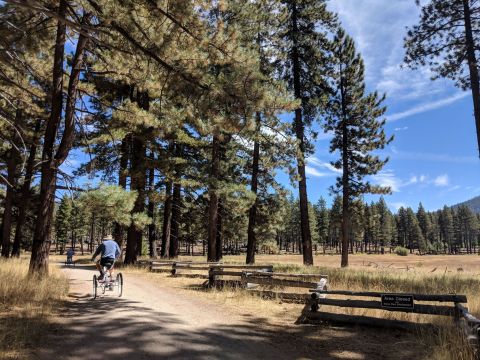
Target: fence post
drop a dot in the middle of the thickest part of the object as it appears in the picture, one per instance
(243, 280)
(211, 276)
(174, 269)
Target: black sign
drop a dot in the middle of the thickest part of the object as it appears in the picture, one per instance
(397, 301)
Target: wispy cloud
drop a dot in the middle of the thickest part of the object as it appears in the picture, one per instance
(314, 172)
(422, 156)
(426, 107)
(401, 128)
(313, 160)
(441, 180)
(387, 178)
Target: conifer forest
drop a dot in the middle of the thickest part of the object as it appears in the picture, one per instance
(178, 118)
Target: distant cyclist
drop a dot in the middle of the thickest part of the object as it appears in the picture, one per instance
(70, 253)
(109, 252)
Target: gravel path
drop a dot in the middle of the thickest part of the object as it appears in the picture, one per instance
(155, 321)
(152, 322)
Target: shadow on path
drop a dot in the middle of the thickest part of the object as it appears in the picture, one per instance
(115, 328)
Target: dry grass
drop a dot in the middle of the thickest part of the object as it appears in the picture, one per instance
(445, 343)
(26, 304)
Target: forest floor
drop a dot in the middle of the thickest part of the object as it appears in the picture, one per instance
(167, 318)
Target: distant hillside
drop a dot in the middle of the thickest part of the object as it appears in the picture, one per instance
(473, 204)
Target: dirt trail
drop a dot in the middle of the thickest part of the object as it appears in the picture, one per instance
(151, 322)
(159, 322)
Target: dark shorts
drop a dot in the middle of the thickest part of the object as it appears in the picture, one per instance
(107, 262)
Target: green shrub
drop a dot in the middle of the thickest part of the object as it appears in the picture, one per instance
(400, 250)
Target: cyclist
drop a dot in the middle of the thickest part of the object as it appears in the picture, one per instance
(70, 253)
(109, 251)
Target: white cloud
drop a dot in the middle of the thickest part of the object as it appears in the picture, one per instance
(420, 156)
(401, 128)
(426, 107)
(313, 160)
(314, 172)
(387, 178)
(441, 180)
(383, 53)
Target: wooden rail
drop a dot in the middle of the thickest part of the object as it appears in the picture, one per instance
(418, 308)
(271, 281)
(419, 297)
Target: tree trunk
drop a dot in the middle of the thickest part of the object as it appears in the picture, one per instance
(167, 215)
(472, 66)
(138, 182)
(176, 207)
(219, 235)
(7, 205)
(299, 131)
(41, 237)
(152, 230)
(213, 203)
(50, 164)
(118, 229)
(92, 232)
(25, 193)
(252, 213)
(345, 180)
(175, 221)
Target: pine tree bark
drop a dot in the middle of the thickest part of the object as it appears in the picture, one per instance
(167, 214)
(7, 205)
(176, 206)
(252, 213)
(219, 235)
(51, 162)
(25, 193)
(152, 229)
(472, 66)
(138, 182)
(213, 203)
(175, 221)
(345, 179)
(299, 131)
(118, 229)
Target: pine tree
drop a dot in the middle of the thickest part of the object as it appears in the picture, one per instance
(305, 41)
(323, 220)
(414, 234)
(424, 222)
(447, 40)
(63, 220)
(352, 115)
(335, 223)
(385, 223)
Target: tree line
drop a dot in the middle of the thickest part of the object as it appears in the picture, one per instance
(375, 228)
(178, 104)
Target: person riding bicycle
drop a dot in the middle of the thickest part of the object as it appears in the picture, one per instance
(70, 253)
(109, 252)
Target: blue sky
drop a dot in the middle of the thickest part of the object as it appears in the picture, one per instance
(433, 158)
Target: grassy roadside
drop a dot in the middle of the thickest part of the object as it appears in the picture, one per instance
(445, 343)
(26, 305)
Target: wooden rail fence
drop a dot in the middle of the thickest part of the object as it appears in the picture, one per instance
(393, 302)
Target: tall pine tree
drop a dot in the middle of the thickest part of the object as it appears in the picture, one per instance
(353, 117)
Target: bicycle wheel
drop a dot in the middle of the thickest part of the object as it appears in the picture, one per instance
(119, 283)
(95, 286)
